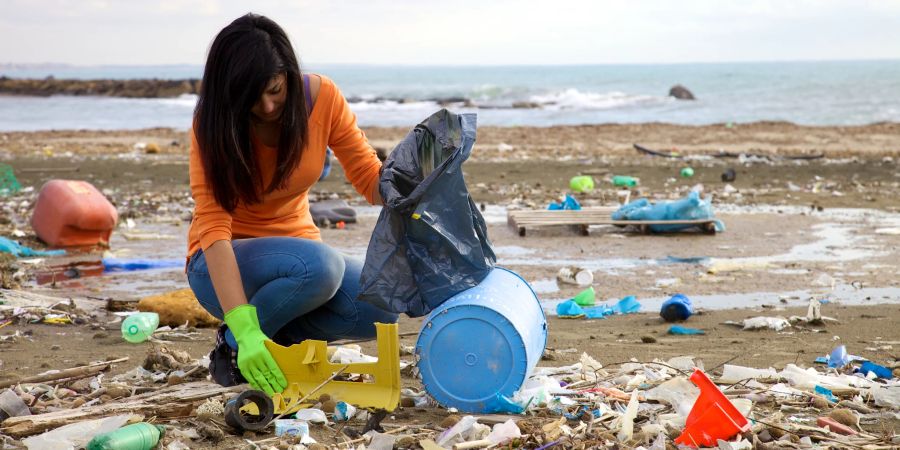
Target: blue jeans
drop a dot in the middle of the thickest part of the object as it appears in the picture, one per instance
(302, 289)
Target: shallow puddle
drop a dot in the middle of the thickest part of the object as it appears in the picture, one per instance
(843, 294)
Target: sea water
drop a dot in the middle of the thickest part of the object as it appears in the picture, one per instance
(809, 93)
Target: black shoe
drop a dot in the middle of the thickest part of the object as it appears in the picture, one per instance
(223, 366)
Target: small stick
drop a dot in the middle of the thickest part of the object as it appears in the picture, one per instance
(316, 389)
(357, 341)
(67, 374)
(473, 444)
(362, 439)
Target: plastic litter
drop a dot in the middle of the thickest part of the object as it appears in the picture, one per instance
(838, 357)
(586, 297)
(834, 426)
(734, 374)
(762, 323)
(581, 183)
(137, 436)
(16, 249)
(344, 411)
(691, 207)
(575, 275)
(332, 211)
(9, 185)
(678, 392)
(627, 305)
(460, 432)
(311, 415)
(627, 431)
(12, 406)
(879, 371)
(73, 213)
(291, 427)
(886, 396)
(568, 203)
(74, 435)
(678, 307)
(622, 180)
(569, 309)
(130, 265)
(138, 327)
(380, 441)
(430, 242)
(679, 330)
(825, 392)
(713, 416)
(687, 172)
(504, 432)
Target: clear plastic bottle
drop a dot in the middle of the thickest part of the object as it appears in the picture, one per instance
(138, 327)
(137, 436)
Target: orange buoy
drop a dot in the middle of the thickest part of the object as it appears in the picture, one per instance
(73, 213)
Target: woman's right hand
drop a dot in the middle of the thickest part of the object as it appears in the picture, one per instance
(254, 360)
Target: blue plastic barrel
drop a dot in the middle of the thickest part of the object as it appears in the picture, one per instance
(482, 343)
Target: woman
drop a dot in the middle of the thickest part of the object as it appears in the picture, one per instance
(256, 259)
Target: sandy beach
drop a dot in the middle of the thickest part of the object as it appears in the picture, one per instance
(826, 228)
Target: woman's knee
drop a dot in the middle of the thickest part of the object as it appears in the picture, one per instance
(318, 267)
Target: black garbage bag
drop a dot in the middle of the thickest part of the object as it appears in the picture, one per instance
(430, 241)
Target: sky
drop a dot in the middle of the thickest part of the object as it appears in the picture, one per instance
(459, 32)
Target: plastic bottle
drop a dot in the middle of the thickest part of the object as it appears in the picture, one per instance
(581, 183)
(137, 436)
(687, 172)
(138, 327)
(622, 180)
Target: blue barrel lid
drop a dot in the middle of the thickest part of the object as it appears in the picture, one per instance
(470, 354)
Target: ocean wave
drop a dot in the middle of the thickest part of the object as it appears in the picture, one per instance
(574, 99)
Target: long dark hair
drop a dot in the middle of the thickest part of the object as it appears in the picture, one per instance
(242, 60)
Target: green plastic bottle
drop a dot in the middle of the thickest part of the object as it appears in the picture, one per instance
(622, 180)
(139, 326)
(687, 172)
(137, 436)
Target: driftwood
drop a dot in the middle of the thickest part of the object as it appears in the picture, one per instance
(66, 374)
(170, 401)
(23, 299)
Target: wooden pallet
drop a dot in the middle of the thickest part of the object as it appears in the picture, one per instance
(581, 219)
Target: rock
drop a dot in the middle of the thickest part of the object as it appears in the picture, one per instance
(844, 416)
(681, 93)
(449, 421)
(648, 339)
(151, 148)
(329, 405)
(407, 402)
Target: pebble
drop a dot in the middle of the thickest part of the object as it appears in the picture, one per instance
(648, 339)
(407, 402)
(449, 421)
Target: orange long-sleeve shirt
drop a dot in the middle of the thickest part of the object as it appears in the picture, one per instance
(285, 212)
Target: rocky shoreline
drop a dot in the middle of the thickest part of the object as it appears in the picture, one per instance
(136, 88)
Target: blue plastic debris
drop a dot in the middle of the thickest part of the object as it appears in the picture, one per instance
(627, 305)
(598, 312)
(16, 249)
(880, 371)
(129, 265)
(676, 329)
(501, 404)
(569, 308)
(825, 392)
(569, 203)
(678, 307)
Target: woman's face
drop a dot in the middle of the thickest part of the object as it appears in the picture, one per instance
(271, 104)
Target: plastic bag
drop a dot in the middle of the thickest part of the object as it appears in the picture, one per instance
(691, 207)
(430, 242)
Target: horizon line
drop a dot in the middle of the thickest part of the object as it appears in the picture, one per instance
(416, 65)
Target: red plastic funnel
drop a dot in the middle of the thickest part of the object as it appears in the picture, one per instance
(712, 417)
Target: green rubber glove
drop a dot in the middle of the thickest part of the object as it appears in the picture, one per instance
(254, 360)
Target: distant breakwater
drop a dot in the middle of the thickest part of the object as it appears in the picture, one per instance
(137, 88)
